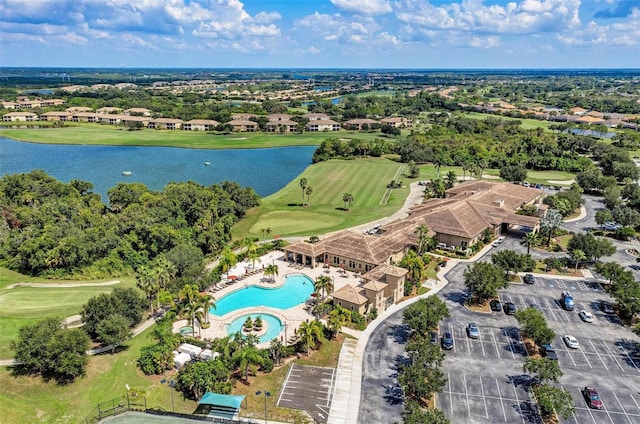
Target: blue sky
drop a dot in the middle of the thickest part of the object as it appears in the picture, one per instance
(321, 33)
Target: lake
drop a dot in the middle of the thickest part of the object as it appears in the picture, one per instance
(265, 170)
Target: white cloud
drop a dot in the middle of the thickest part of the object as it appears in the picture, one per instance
(267, 17)
(73, 38)
(313, 50)
(363, 7)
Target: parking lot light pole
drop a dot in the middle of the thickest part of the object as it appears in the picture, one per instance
(266, 395)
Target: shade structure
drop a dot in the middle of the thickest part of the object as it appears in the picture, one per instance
(221, 406)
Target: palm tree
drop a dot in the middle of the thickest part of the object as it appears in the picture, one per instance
(308, 191)
(422, 231)
(146, 282)
(247, 358)
(438, 187)
(271, 271)
(310, 333)
(303, 185)
(530, 240)
(338, 317)
(264, 231)
(348, 199)
(252, 250)
(324, 284)
(276, 350)
(206, 302)
(228, 259)
(165, 298)
(415, 265)
(550, 222)
(165, 271)
(578, 255)
(451, 180)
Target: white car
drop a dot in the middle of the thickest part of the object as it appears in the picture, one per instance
(571, 341)
(586, 316)
(499, 240)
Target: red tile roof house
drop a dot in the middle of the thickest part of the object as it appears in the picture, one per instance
(85, 117)
(397, 122)
(165, 124)
(19, 117)
(108, 109)
(283, 126)
(459, 221)
(316, 116)
(356, 124)
(138, 111)
(243, 125)
(200, 125)
(274, 117)
(55, 116)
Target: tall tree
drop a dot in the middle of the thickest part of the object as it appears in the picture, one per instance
(324, 284)
(483, 280)
(303, 185)
(228, 259)
(247, 358)
(310, 333)
(308, 191)
(530, 240)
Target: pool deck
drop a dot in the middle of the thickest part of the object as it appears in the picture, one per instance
(247, 276)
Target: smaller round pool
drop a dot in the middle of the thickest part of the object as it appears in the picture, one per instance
(186, 331)
(273, 324)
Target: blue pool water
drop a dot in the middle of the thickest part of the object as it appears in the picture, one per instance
(296, 289)
(274, 326)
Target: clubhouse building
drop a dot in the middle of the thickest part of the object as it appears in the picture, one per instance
(458, 221)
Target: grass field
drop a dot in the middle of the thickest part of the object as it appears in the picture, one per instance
(30, 399)
(24, 305)
(96, 134)
(527, 123)
(366, 179)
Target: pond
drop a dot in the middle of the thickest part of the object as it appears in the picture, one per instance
(265, 170)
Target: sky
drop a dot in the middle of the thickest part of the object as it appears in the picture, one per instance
(389, 34)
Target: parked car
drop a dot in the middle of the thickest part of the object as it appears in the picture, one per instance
(571, 341)
(433, 337)
(529, 279)
(585, 316)
(549, 352)
(592, 397)
(447, 341)
(472, 330)
(567, 301)
(509, 308)
(499, 240)
(606, 307)
(496, 306)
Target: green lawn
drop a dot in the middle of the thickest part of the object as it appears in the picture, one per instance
(366, 179)
(527, 123)
(30, 399)
(118, 136)
(25, 305)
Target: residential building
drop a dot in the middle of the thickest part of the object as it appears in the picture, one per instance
(165, 123)
(357, 124)
(316, 116)
(243, 125)
(19, 117)
(89, 117)
(108, 109)
(283, 126)
(322, 125)
(200, 125)
(55, 116)
(397, 122)
(139, 111)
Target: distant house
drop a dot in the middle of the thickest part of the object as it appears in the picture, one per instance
(244, 116)
(356, 124)
(577, 111)
(397, 122)
(55, 116)
(284, 126)
(73, 109)
(165, 123)
(322, 125)
(19, 117)
(243, 125)
(90, 117)
(9, 105)
(275, 117)
(200, 125)
(316, 116)
(586, 119)
(110, 118)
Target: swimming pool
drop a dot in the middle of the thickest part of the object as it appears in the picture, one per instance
(296, 289)
(273, 324)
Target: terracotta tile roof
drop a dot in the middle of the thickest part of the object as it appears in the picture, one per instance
(350, 294)
(375, 285)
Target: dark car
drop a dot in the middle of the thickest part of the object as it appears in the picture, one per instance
(606, 307)
(509, 308)
(447, 341)
(433, 337)
(529, 279)
(496, 305)
(549, 352)
(592, 397)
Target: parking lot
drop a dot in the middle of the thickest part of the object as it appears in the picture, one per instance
(486, 381)
(309, 389)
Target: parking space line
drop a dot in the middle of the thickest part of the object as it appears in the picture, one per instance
(495, 343)
(286, 380)
(333, 383)
(510, 345)
(484, 399)
(501, 400)
(466, 391)
(571, 357)
(629, 358)
(622, 407)
(481, 344)
(517, 402)
(450, 393)
(588, 409)
(613, 356)
(586, 359)
(634, 401)
(599, 356)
